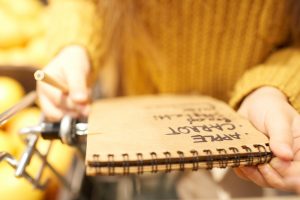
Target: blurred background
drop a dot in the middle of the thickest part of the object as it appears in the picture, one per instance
(22, 51)
(22, 32)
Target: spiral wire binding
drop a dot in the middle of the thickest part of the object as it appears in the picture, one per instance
(125, 164)
(263, 156)
(224, 162)
(168, 162)
(96, 158)
(154, 163)
(110, 164)
(250, 157)
(140, 163)
(181, 160)
(210, 160)
(196, 160)
(237, 158)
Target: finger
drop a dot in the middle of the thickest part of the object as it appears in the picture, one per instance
(294, 183)
(296, 134)
(240, 174)
(278, 126)
(73, 74)
(55, 72)
(56, 96)
(61, 100)
(79, 92)
(281, 166)
(78, 88)
(67, 104)
(285, 168)
(254, 175)
(85, 110)
(52, 113)
(272, 178)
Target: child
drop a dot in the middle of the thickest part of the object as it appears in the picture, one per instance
(243, 52)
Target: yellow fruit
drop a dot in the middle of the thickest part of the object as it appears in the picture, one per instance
(23, 8)
(11, 92)
(36, 52)
(22, 22)
(60, 157)
(7, 143)
(26, 118)
(12, 188)
(31, 55)
(12, 34)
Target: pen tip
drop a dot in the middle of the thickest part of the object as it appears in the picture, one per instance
(39, 75)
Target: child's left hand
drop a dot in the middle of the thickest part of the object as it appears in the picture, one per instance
(269, 111)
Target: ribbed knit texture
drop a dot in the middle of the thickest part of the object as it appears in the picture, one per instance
(282, 71)
(202, 47)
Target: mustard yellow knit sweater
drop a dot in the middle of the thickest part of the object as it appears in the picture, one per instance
(222, 48)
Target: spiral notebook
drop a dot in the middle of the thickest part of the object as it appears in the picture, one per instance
(135, 135)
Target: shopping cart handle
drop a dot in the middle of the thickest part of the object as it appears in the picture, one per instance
(69, 130)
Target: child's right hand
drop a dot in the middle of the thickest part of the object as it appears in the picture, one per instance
(269, 110)
(71, 67)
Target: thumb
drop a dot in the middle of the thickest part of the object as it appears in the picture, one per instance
(78, 89)
(75, 68)
(278, 127)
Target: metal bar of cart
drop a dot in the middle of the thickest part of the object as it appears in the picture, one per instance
(31, 141)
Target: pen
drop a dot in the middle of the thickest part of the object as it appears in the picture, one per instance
(40, 75)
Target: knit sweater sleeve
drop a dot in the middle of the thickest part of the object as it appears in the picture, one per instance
(281, 70)
(74, 22)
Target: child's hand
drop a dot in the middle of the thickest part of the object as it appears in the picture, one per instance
(72, 68)
(269, 111)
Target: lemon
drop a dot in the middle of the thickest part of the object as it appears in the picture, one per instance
(7, 144)
(11, 92)
(26, 118)
(12, 188)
